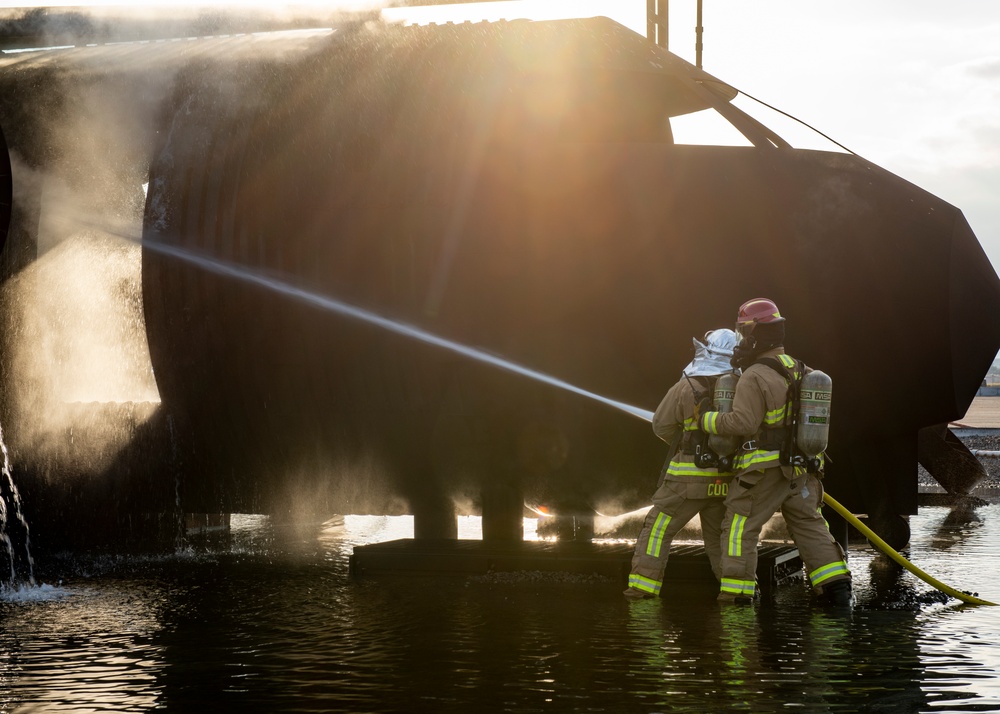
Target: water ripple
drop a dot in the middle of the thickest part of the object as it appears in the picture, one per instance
(270, 621)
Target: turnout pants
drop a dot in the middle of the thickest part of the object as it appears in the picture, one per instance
(671, 511)
(753, 498)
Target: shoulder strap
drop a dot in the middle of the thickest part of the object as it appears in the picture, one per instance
(792, 370)
(788, 367)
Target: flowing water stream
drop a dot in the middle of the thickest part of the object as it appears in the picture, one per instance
(17, 531)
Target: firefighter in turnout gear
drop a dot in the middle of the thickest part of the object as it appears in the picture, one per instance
(769, 475)
(692, 483)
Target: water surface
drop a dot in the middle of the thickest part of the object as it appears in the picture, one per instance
(269, 620)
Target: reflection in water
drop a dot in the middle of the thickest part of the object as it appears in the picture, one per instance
(958, 524)
(267, 620)
(79, 648)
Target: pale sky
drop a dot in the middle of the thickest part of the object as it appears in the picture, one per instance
(911, 85)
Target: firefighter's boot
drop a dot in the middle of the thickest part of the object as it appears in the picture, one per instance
(836, 594)
(633, 594)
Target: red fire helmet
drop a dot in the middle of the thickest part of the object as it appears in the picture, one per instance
(754, 312)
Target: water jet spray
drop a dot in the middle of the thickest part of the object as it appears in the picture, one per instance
(10, 497)
(328, 303)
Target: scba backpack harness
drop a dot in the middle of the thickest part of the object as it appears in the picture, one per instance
(802, 440)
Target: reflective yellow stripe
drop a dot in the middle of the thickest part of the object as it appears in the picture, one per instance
(688, 468)
(775, 415)
(736, 535)
(708, 421)
(738, 587)
(645, 584)
(656, 535)
(790, 363)
(828, 571)
(751, 460)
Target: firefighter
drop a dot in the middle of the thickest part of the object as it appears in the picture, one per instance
(767, 480)
(692, 483)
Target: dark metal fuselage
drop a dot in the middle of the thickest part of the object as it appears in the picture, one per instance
(515, 187)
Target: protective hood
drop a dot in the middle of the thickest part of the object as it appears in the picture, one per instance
(711, 357)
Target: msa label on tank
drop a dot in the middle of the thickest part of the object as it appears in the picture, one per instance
(814, 395)
(724, 394)
(816, 419)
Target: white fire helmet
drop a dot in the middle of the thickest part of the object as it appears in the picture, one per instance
(711, 356)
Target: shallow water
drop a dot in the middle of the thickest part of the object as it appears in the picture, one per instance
(269, 620)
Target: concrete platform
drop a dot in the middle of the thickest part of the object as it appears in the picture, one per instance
(777, 563)
(983, 414)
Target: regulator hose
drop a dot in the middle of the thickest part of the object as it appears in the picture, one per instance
(888, 550)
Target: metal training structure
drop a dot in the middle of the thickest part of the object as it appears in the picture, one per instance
(512, 186)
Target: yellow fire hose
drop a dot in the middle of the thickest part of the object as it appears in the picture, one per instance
(885, 548)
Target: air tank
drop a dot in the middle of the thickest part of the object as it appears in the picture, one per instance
(813, 428)
(722, 399)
